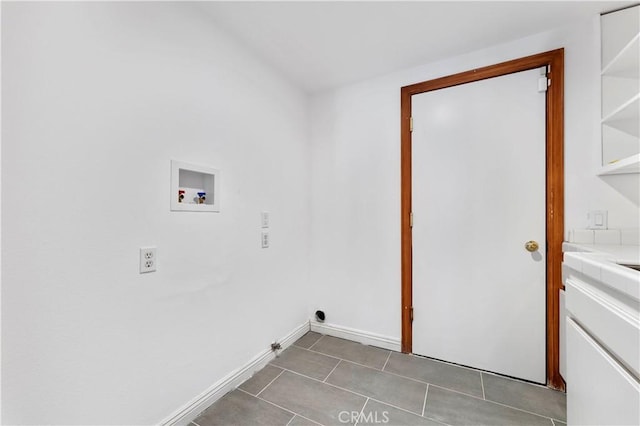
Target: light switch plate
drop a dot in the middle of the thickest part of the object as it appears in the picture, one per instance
(264, 218)
(597, 219)
(265, 239)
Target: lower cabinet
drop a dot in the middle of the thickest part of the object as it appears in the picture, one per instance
(602, 341)
(600, 391)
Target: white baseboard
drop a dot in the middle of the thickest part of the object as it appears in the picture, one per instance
(363, 337)
(190, 411)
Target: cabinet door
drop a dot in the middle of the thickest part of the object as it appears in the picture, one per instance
(599, 390)
(617, 331)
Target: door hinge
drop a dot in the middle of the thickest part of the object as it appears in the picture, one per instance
(547, 75)
(543, 83)
(411, 314)
(411, 124)
(411, 220)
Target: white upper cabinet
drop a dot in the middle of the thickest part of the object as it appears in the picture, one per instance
(621, 91)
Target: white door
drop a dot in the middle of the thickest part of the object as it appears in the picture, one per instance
(478, 195)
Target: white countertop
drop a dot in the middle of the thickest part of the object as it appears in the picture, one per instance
(628, 255)
(601, 262)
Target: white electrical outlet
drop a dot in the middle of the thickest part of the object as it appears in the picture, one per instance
(265, 239)
(148, 259)
(264, 216)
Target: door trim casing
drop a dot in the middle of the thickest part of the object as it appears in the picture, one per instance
(554, 190)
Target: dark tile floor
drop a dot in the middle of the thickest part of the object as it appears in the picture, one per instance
(330, 381)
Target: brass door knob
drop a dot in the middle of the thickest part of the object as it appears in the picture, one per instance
(531, 246)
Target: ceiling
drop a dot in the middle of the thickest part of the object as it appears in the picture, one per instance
(320, 45)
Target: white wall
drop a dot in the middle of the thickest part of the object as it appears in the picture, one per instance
(97, 98)
(355, 231)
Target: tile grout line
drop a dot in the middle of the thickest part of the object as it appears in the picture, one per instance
(421, 381)
(420, 357)
(415, 380)
(337, 357)
(280, 407)
(302, 347)
(509, 378)
(372, 368)
(437, 421)
(322, 353)
(424, 404)
(491, 373)
(418, 381)
(334, 369)
(353, 392)
(346, 390)
(368, 398)
(269, 384)
(369, 367)
(385, 363)
(515, 408)
(393, 374)
(361, 413)
(453, 364)
(291, 419)
(314, 343)
(439, 386)
(497, 403)
(331, 384)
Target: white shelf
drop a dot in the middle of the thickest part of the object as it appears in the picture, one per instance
(626, 116)
(626, 63)
(623, 166)
(620, 49)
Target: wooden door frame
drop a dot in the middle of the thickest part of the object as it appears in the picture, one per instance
(554, 190)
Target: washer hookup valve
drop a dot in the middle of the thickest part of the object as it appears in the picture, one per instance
(201, 197)
(180, 195)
